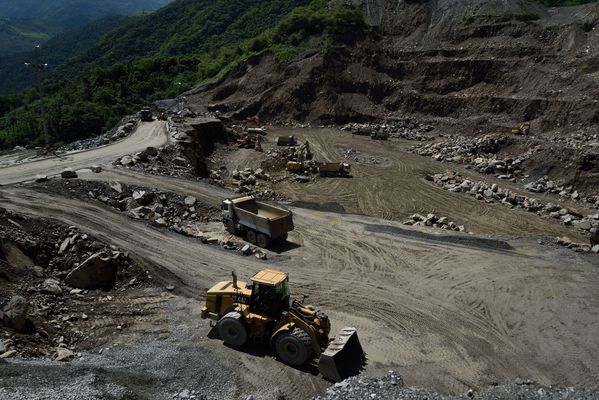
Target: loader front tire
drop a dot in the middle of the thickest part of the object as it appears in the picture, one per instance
(232, 330)
(294, 347)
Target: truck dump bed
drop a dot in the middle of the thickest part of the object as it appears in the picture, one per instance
(274, 221)
(330, 167)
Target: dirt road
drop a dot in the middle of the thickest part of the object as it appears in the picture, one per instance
(448, 311)
(147, 134)
(389, 183)
(447, 315)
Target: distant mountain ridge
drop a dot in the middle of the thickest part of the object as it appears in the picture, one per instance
(69, 11)
(23, 24)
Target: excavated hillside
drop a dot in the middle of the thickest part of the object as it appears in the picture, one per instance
(476, 64)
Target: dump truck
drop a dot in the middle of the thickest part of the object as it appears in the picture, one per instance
(294, 166)
(145, 114)
(258, 222)
(522, 129)
(334, 169)
(258, 131)
(260, 311)
(287, 141)
(379, 135)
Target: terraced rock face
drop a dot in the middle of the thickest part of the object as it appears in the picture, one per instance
(476, 63)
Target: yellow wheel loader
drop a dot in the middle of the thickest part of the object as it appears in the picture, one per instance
(260, 312)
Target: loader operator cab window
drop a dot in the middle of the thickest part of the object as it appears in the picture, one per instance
(270, 300)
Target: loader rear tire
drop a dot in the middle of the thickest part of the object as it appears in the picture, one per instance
(251, 236)
(232, 330)
(294, 347)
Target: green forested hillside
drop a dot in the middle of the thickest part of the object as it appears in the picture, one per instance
(71, 13)
(14, 76)
(160, 55)
(25, 23)
(18, 34)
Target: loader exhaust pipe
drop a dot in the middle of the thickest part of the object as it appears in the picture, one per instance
(344, 357)
(234, 275)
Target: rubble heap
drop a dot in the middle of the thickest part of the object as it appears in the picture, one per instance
(477, 153)
(434, 221)
(454, 182)
(52, 277)
(392, 386)
(405, 129)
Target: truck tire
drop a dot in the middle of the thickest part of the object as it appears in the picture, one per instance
(294, 347)
(230, 225)
(232, 330)
(262, 240)
(251, 236)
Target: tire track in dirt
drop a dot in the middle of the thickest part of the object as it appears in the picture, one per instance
(400, 190)
(445, 314)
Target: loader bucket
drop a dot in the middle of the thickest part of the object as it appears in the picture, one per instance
(343, 357)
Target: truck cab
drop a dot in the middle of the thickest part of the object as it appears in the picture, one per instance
(227, 211)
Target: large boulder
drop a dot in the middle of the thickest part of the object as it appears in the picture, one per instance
(142, 197)
(52, 286)
(68, 173)
(97, 272)
(14, 314)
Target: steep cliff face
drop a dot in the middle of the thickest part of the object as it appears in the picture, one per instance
(487, 63)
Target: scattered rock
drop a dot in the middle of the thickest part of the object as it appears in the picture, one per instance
(8, 354)
(15, 313)
(41, 178)
(142, 197)
(68, 173)
(126, 161)
(190, 201)
(52, 286)
(246, 250)
(96, 169)
(63, 354)
(97, 272)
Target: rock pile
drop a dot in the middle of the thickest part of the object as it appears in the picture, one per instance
(120, 131)
(477, 153)
(392, 386)
(49, 273)
(362, 158)
(167, 160)
(544, 184)
(406, 129)
(161, 209)
(454, 182)
(434, 221)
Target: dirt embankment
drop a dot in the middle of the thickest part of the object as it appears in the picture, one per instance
(482, 64)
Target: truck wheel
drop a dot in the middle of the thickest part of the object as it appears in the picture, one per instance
(230, 225)
(262, 240)
(294, 347)
(232, 330)
(251, 236)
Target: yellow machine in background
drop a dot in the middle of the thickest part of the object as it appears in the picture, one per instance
(260, 312)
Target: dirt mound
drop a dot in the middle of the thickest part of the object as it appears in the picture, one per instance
(487, 63)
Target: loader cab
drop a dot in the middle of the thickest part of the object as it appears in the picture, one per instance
(270, 293)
